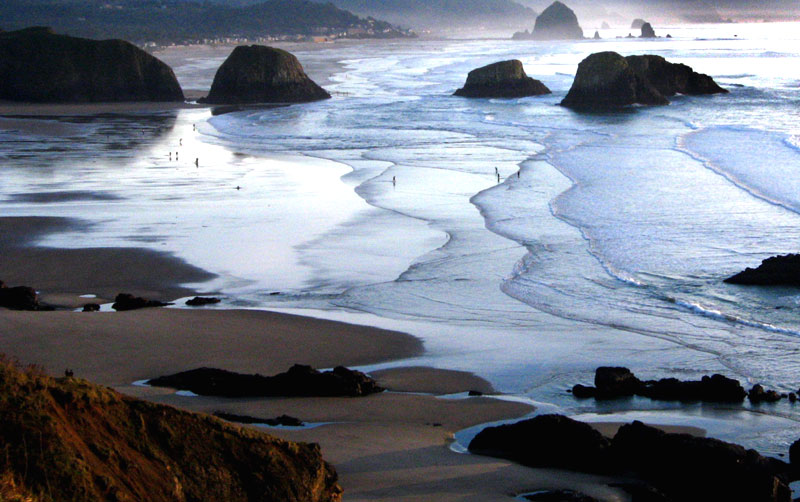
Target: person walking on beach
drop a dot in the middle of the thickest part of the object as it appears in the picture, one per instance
(394, 181)
(197, 162)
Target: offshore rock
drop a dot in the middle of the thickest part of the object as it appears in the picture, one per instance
(260, 74)
(37, 65)
(776, 271)
(67, 439)
(557, 22)
(648, 31)
(504, 79)
(300, 380)
(126, 301)
(608, 80)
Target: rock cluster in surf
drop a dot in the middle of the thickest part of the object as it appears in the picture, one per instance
(609, 80)
(37, 65)
(504, 79)
(680, 466)
(556, 22)
(260, 74)
(300, 380)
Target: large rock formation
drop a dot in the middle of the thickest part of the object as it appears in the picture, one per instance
(37, 65)
(781, 270)
(648, 31)
(608, 80)
(66, 439)
(682, 467)
(259, 74)
(18, 297)
(298, 381)
(557, 22)
(505, 79)
(638, 23)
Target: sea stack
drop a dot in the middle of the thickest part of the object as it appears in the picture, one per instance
(608, 80)
(648, 31)
(37, 65)
(637, 24)
(259, 74)
(504, 79)
(557, 22)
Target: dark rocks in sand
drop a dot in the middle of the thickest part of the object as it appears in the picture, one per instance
(675, 466)
(557, 22)
(300, 380)
(782, 270)
(199, 301)
(794, 456)
(19, 298)
(504, 79)
(648, 31)
(545, 441)
(260, 74)
(618, 382)
(638, 23)
(281, 421)
(760, 395)
(91, 307)
(126, 301)
(608, 80)
(695, 469)
(475, 393)
(559, 496)
(37, 65)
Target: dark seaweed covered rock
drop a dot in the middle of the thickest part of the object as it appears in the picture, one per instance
(648, 31)
(18, 298)
(776, 271)
(545, 441)
(259, 74)
(281, 421)
(504, 79)
(617, 382)
(199, 301)
(37, 65)
(126, 301)
(608, 80)
(695, 469)
(300, 380)
(93, 444)
(758, 394)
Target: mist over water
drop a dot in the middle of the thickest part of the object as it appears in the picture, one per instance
(603, 241)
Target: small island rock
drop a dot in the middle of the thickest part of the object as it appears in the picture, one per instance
(608, 80)
(781, 270)
(260, 74)
(638, 23)
(505, 79)
(648, 31)
(37, 65)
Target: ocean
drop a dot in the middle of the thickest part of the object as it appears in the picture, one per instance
(521, 240)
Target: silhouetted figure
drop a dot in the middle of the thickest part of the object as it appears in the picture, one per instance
(197, 162)
(238, 187)
(170, 155)
(180, 142)
(394, 181)
(498, 177)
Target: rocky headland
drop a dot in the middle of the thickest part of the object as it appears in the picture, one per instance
(556, 22)
(67, 439)
(259, 74)
(504, 79)
(299, 380)
(609, 80)
(680, 467)
(783, 270)
(37, 65)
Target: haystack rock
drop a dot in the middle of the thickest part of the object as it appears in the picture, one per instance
(608, 80)
(37, 65)
(505, 79)
(92, 443)
(605, 26)
(648, 31)
(259, 74)
(638, 23)
(557, 22)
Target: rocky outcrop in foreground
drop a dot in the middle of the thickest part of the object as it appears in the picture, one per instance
(36, 65)
(608, 80)
(684, 468)
(66, 439)
(298, 381)
(556, 22)
(18, 298)
(505, 79)
(776, 271)
(259, 74)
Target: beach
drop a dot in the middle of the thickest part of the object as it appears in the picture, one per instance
(519, 247)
